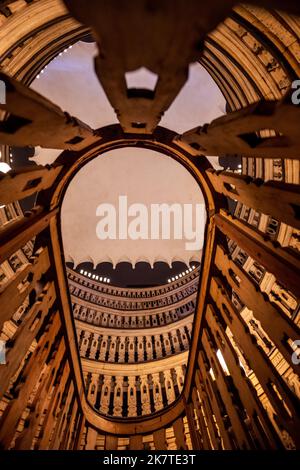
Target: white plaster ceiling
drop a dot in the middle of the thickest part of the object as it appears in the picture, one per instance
(71, 83)
(146, 177)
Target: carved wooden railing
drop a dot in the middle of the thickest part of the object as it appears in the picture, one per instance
(236, 394)
(257, 408)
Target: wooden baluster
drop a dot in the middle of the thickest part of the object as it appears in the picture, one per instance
(204, 434)
(194, 433)
(11, 297)
(91, 438)
(179, 433)
(111, 442)
(278, 326)
(276, 260)
(213, 407)
(258, 361)
(30, 375)
(159, 437)
(247, 394)
(136, 442)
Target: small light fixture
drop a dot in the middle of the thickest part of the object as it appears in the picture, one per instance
(4, 167)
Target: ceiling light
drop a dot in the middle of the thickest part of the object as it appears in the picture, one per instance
(222, 362)
(4, 167)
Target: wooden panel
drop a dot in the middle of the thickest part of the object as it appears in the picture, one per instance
(39, 405)
(179, 33)
(17, 234)
(238, 133)
(178, 428)
(30, 376)
(205, 438)
(260, 197)
(91, 438)
(276, 260)
(264, 433)
(53, 410)
(194, 433)
(35, 121)
(214, 409)
(258, 361)
(17, 185)
(12, 295)
(25, 334)
(238, 427)
(111, 442)
(278, 326)
(136, 442)
(159, 438)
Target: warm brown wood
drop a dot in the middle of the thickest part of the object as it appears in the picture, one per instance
(111, 442)
(258, 360)
(243, 387)
(40, 402)
(175, 30)
(12, 295)
(17, 185)
(36, 121)
(16, 234)
(283, 264)
(238, 133)
(30, 376)
(42, 380)
(195, 436)
(136, 443)
(276, 323)
(281, 200)
(26, 333)
(178, 428)
(220, 437)
(159, 438)
(205, 438)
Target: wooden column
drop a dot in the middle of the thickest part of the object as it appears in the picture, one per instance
(159, 438)
(111, 442)
(136, 442)
(178, 428)
(91, 438)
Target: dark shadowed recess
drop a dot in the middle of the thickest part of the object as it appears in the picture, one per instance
(141, 276)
